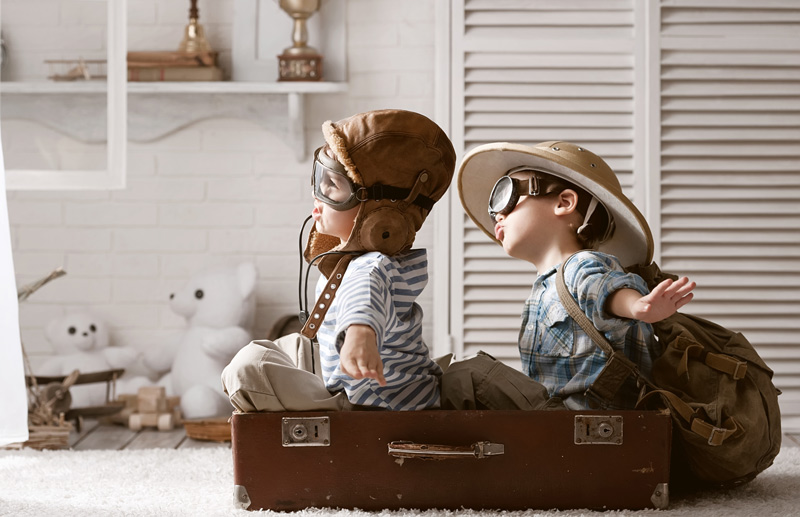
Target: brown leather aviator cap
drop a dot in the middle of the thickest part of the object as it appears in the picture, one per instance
(402, 163)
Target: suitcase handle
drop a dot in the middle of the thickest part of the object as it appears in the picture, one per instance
(422, 451)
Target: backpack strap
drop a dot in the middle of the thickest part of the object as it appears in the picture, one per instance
(577, 314)
(618, 367)
(727, 364)
(323, 303)
(713, 434)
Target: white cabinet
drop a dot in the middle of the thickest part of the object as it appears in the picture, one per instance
(110, 113)
(109, 173)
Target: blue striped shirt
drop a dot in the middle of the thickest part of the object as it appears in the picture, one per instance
(556, 352)
(380, 291)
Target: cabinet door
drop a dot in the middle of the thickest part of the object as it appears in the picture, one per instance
(50, 141)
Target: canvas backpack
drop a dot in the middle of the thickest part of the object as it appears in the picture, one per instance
(719, 392)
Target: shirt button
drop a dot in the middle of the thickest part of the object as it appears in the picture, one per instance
(530, 327)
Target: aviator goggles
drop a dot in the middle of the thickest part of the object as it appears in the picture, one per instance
(507, 191)
(333, 186)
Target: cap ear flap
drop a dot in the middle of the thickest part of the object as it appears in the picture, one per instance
(386, 230)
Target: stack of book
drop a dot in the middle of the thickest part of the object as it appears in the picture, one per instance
(173, 66)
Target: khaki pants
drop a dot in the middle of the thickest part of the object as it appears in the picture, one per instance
(276, 376)
(483, 382)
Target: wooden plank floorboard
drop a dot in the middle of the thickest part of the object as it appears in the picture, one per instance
(191, 443)
(97, 436)
(87, 426)
(154, 439)
(105, 437)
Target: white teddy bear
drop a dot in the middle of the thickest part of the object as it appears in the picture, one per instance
(219, 306)
(81, 342)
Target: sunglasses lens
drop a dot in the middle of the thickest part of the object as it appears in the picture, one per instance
(500, 198)
(331, 187)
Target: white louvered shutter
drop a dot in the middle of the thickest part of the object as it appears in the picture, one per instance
(717, 166)
(527, 72)
(730, 170)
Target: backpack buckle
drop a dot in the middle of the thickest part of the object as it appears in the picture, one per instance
(712, 436)
(740, 371)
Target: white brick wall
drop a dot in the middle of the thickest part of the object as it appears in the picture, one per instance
(217, 192)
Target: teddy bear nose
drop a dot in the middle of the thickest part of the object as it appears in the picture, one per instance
(85, 333)
(171, 296)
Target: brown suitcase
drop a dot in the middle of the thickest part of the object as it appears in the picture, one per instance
(509, 460)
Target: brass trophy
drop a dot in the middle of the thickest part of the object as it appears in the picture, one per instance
(194, 38)
(300, 62)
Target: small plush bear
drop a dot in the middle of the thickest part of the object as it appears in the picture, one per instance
(219, 307)
(81, 342)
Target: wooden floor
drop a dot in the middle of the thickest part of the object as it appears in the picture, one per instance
(95, 436)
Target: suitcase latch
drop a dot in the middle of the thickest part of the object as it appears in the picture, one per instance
(306, 432)
(598, 429)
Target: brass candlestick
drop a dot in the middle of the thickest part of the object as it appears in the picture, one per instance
(300, 62)
(194, 38)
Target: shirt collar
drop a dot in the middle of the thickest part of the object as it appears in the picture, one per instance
(541, 280)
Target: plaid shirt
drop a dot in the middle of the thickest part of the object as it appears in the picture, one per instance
(556, 352)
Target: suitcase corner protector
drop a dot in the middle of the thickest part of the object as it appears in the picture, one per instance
(660, 497)
(241, 499)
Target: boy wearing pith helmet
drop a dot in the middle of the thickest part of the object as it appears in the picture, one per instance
(558, 204)
(373, 184)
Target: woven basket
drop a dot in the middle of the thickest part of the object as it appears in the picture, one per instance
(212, 429)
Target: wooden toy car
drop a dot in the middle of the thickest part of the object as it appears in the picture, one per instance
(151, 407)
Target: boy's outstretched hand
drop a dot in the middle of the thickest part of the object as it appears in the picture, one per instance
(359, 356)
(663, 301)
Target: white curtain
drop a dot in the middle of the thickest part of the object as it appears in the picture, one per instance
(13, 399)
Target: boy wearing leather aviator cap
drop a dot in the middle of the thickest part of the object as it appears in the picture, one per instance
(373, 183)
(546, 203)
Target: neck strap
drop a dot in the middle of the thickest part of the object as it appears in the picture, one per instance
(323, 303)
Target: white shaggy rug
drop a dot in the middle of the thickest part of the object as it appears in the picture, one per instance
(162, 482)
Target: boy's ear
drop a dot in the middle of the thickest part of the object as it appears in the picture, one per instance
(567, 202)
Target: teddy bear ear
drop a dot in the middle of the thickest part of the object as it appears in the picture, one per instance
(52, 328)
(247, 278)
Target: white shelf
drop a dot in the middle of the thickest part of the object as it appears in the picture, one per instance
(175, 87)
(294, 90)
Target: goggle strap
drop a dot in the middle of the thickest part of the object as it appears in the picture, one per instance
(422, 178)
(379, 192)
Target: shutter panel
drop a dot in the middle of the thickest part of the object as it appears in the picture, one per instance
(730, 179)
(721, 178)
(527, 72)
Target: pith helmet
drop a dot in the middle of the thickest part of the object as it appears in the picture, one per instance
(402, 150)
(631, 240)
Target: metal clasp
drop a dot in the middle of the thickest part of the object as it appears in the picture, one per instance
(306, 432)
(598, 430)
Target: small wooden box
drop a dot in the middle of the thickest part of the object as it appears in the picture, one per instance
(303, 67)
